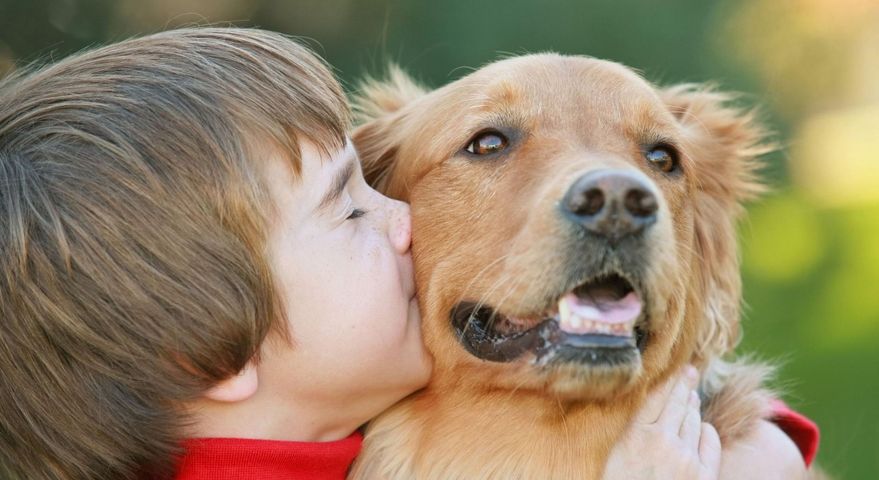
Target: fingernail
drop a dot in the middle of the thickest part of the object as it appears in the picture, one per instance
(694, 398)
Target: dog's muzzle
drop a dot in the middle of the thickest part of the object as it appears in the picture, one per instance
(599, 321)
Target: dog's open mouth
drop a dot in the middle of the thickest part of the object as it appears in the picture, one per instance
(601, 320)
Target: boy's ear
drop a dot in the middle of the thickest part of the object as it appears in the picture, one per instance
(723, 144)
(236, 388)
(379, 108)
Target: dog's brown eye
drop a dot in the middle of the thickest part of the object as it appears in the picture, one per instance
(663, 157)
(487, 142)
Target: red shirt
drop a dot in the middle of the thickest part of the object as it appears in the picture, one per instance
(800, 429)
(247, 459)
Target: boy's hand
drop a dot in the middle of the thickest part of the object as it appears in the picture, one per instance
(667, 439)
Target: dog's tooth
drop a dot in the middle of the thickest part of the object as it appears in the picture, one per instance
(585, 319)
(622, 328)
(564, 309)
(589, 311)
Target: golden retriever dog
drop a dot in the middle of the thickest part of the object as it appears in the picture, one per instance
(574, 243)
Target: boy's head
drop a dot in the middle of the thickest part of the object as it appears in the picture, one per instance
(139, 254)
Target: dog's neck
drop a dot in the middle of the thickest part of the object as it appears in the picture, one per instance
(502, 431)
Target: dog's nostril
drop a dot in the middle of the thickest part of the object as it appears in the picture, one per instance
(640, 203)
(593, 202)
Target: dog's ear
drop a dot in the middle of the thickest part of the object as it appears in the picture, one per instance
(378, 109)
(723, 144)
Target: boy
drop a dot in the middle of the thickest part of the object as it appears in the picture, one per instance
(149, 277)
(188, 250)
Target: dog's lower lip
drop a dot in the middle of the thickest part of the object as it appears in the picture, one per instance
(615, 326)
(596, 317)
(548, 343)
(545, 340)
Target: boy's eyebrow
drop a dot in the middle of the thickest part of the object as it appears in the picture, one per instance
(338, 186)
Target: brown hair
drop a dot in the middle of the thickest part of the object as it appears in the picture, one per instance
(132, 231)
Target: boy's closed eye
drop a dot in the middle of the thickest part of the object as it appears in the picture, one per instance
(356, 213)
(340, 183)
(338, 186)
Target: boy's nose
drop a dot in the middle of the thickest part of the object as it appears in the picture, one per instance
(400, 227)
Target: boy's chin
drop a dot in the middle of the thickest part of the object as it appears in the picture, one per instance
(414, 311)
(416, 376)
(385, 397)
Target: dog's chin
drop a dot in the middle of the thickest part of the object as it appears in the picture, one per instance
(592, 367)
(572, 382)
(587, 345)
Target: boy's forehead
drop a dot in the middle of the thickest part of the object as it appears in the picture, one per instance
(319, 168)
(321, 161)
(310, 166)
(321, 177)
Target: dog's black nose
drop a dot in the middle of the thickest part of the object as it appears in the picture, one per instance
(611, 203)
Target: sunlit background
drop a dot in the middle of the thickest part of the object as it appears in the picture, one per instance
(810, 248)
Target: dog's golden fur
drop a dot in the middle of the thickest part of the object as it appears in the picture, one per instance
(484, 229)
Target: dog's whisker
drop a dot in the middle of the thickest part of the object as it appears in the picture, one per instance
(484, 270)
(481, 302)
(510, 291)
(500, 304)
(568, 440)
(517, 387)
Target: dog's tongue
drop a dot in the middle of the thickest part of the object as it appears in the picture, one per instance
(600, 315)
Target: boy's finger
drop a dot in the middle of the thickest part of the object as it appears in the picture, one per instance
(709, 450)
(657, 399)
(691, 428)
(676, 408)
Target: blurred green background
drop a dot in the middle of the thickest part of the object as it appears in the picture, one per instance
(810, 248)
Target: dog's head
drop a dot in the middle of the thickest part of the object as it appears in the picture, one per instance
(573, 224)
